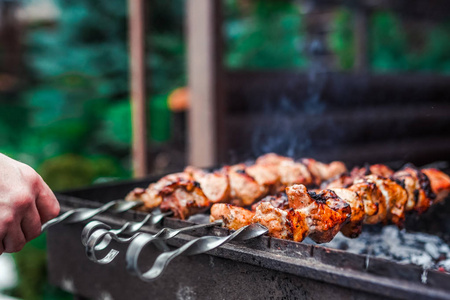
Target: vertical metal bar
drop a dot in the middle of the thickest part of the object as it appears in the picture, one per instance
(138, 85)
(205, 81)
(361, 25)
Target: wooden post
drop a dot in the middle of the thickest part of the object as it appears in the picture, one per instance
(10, 39)
(205, 122)
(138, 85)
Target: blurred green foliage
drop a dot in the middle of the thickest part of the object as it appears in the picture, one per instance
(342, 39)
(72, 120)
(266, 34)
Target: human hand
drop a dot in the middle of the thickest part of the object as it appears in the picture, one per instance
(26, 202)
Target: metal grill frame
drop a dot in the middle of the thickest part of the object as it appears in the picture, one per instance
(258, 269)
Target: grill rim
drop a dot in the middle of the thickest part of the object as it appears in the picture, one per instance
(312, 261)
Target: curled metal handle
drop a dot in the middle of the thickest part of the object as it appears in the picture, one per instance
(83, 214)
(197, 246)
(97, 237)
(127, 228)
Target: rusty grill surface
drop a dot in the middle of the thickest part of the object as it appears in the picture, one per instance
(262, 268)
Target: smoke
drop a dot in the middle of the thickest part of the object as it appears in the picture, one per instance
(289, 124)
(279, 132)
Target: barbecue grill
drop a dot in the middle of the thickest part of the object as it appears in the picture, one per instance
(415, 118)
(260, 268)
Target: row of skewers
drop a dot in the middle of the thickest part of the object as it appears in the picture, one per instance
(274, 192)
(195, 190)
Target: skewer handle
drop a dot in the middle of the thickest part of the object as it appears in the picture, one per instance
(83, 214)
(196, 246)
(97, 238)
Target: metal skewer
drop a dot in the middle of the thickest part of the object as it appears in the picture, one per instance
(96, 239)
(197, 246)
(128, 228)
(83, 214)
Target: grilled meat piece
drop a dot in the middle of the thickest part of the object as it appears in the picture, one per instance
(343, 180)
(321, 171)
(294, 173)
(152, 194)
(265, 175)
(272, 159)
(377, 169)
(279, 201)
(325, 212)
(395, 197)
(440, 183)
(284, 224)
(244, 190)
(288, 171)
(354, 226)
(373, 200)
(418, 187)
(214, 185)
(184, 199)
(234, 217)
(346, 179)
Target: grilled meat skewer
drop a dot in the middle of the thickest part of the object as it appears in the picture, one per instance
(194, 190)
(321, 214)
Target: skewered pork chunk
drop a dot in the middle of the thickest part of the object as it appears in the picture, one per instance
(373, 200)
(265, 175)
(176, 192)
(440, 183)
(233, 217)
(294, 173)
(395, 197)
(184, 199)
(272, 159)
(307, 171)
(343, 180)
(279, 201)
(325, 212)
(354, 226)
(214, 185)
(289, 172)
(152, 194)
(244, 190)
(377, 169)
(346, 179)
(284, 224)
(417, 185)
(321, 171)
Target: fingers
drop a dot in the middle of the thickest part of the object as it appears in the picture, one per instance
(14, 239)
(31, 223)
(46, 203)
(26, 202)
(2, 237)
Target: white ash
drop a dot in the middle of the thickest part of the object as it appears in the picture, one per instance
(425, 250)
